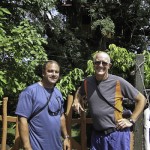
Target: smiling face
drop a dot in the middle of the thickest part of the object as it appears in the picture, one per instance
(101, 64)
(50, 74)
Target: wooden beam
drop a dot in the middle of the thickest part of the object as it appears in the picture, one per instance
(78, 120)
(9, 119)
(0, 117)
(75, 144)
(138, 128)
(69, 114)
(83, 131)
(4, 124)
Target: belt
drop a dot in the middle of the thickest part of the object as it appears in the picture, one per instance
(105, 132)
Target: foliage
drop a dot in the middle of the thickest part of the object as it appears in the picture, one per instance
(68, 41)
(66, 48)
(34, 10)
(3, 11)
(128, 22)
(147, 68)
(21, 50)
(90, 70)
(122, 59)
(106, 26)
(70, 82)
(131, 20)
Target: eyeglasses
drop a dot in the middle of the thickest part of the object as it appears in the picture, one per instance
(101, 62)
(55, 113)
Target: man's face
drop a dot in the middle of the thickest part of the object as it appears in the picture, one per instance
(101, 64)
(51, 73)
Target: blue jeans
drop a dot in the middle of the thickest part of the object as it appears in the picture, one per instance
(118, 140)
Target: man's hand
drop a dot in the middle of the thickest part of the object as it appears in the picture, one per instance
(77, 107)
(67, 144)
(123, 123)
(76, 104)
(28, 148)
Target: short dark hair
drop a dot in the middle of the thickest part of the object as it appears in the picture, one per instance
(49, 62)
(42, 66)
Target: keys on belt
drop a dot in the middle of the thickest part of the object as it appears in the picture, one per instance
(105, 132)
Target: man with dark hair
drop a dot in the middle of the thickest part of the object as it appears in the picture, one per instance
(105, 93)
(41, 114)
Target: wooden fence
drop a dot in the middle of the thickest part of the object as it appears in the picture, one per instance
(17, 144)
(82, 121)
(5, 119)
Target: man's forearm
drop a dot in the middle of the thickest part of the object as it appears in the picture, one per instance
(63, 126)
(66, 142)
(76, 104)
(77, 96)
(24, 132)
(139, 106)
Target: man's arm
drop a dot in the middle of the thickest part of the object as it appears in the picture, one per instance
(139, 107)
(76, 104)
(66, 145)
(24, 132)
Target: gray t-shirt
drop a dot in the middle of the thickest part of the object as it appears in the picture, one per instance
(104, 116)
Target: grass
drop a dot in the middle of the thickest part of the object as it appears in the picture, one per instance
(75, 132)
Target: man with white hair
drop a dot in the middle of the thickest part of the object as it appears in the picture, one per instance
(104, 93)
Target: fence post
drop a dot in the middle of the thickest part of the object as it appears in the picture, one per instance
(83, 128)
(18, 143)
(4, 123)
(139, 79)
(69, 115)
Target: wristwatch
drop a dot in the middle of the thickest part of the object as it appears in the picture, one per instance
(66, 137)
(131, 121)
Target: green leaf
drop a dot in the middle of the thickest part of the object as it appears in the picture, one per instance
(5, 10)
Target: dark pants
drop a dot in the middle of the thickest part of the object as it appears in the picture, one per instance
(117, 140)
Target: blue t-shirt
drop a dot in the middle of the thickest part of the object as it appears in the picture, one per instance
(44, 128)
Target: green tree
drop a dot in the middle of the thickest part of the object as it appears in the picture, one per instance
(70, 82)
(63, 44)
(81, 28)
(21, 51)
(84, 26)
(35, 10)
(130, 19)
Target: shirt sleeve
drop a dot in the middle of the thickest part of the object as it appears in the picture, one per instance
(128, 90)
(24, 106)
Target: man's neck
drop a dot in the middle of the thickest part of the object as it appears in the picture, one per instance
(101, 78)
(46, 85)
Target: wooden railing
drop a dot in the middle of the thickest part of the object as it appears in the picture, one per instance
(5, 119)
(82, 121)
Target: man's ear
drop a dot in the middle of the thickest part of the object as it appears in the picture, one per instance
(110, 65)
